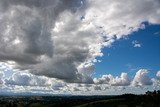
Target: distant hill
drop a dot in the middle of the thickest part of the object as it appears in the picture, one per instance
(150, 99)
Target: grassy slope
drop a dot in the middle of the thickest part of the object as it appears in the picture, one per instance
(126, 101)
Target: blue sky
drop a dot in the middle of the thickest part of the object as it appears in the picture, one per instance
(122, 56)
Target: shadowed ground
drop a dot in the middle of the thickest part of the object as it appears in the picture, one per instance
(150, 99)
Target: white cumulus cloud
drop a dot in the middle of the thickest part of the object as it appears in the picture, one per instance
(123, 80)
(141, 78)
(158, 75)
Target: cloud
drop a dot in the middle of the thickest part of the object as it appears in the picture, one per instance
(156, 33)
(49, 37)
(156, 81)
(136, 44)
(26, 90)
(158, 75)
(26, 83)
(118, 22)
(141, 78)
(45, 44)
(1, 77)
(27, 79)
(76, 89)
(58, 85)
(97, 88)
(123, 80)
(105, 79)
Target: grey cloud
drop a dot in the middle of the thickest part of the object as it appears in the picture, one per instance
(1, 77)
(27, 39)
(105, 79)
(57, 85)
(97, 88)
(76, 89)
(27, 79)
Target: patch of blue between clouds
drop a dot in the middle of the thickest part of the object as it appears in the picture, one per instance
(122, 56)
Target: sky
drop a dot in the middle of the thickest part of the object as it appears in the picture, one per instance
(79, 47)
(125, 56)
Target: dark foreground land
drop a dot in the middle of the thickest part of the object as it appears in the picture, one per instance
(150, 99)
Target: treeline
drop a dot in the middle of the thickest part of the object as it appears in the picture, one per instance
(153, 93)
